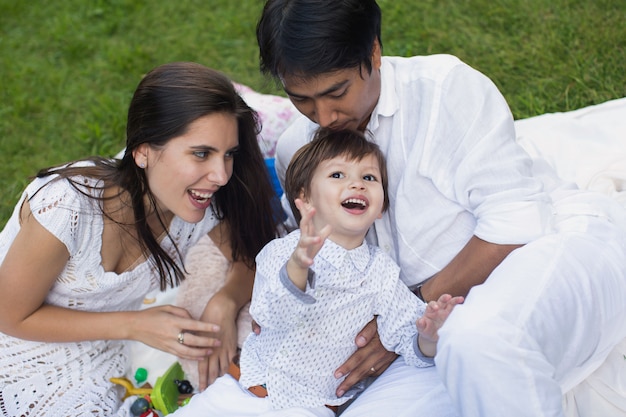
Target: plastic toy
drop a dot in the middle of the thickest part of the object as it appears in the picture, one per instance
(140, 406)
(165, 393)
(130, 388)
(141, 375)
(184, 386)
(170, 390)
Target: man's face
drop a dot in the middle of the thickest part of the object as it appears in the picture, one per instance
(340, 99)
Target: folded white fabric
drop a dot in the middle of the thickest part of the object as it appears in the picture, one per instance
(586, 146)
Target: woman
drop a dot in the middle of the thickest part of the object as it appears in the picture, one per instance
(89, 239)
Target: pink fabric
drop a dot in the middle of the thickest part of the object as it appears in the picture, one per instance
(275, 114)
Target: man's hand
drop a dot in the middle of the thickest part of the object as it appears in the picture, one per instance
(370, 359)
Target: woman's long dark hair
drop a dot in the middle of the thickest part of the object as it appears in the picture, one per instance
(168, 99)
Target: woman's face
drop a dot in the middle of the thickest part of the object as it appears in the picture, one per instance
(184, 174)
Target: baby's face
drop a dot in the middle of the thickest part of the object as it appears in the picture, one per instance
(348, 195)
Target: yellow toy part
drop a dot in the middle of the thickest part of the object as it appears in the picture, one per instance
(130, 388)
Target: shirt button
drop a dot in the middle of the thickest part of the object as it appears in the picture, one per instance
(387, 248)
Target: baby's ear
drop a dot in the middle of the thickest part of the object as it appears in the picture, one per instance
(304, 201)
(302, 195)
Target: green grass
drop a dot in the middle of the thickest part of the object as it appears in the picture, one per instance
(545, 56)
(68, 68)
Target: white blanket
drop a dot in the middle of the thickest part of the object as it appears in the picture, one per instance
(586, 146)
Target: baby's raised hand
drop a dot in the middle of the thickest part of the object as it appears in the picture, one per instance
(311, 239)
(434, 317)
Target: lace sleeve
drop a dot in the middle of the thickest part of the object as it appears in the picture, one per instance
(61, 209)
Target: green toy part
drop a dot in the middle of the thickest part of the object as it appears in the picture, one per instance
(165, 393)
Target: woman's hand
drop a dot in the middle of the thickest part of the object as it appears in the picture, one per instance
(370, 359)
(223, 309)
(219, 310)
(161, 326)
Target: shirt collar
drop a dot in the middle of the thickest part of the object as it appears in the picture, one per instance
(335, 255)
(388, 102)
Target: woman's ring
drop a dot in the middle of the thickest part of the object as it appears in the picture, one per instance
(181, 338)
(373, 370)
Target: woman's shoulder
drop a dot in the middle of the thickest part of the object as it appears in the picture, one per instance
(65, 207)
(51, 193)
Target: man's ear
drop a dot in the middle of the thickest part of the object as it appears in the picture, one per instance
(376, 55)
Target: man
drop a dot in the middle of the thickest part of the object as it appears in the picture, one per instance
(466, 208)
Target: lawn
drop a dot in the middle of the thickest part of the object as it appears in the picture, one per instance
(68, 68)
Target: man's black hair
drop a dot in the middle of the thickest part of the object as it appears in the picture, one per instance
(311, 37)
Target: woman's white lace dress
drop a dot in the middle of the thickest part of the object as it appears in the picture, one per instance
(72, 379)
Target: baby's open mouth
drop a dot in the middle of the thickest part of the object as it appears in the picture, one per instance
(354, 204)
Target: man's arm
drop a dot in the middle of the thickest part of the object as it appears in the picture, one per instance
(471, 266)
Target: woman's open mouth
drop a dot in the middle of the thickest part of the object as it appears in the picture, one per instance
(200, 199)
